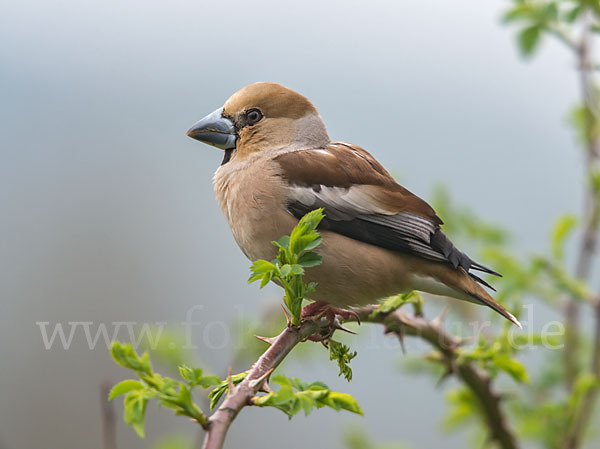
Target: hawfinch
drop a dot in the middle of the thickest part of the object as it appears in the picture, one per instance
(379, 239)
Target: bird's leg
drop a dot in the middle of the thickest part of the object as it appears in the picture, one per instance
(320, 309)
(331, 317)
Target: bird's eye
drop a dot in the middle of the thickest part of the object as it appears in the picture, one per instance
(253, 116)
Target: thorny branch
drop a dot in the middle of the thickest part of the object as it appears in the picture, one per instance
(399, 323)
(241, 395)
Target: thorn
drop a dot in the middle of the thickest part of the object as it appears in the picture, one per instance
(337, 325)
(258, 382)
(438, 320)
(229, 382)
(461, 341)
(321, 314)
(265, 388)
(444, 376)
(400, 334)
(325, 343)
(287, 317)
(269, 340)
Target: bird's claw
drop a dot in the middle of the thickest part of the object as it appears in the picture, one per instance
(329, 320)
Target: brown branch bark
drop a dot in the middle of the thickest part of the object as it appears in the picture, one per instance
(588, 243)
(109, 435)
(240, 395)
(476, 380)
(584, 414)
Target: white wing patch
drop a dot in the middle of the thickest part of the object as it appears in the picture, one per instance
(360, 202)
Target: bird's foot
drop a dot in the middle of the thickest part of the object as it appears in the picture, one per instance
(331, 319)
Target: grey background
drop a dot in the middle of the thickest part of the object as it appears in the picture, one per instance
(108, 211)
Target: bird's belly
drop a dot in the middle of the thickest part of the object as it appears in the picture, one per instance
(357, 273)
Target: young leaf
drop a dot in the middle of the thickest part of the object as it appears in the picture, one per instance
(135, 410)
(310, 259)
(304, 236)
(123, 387)
(529, 39)
(341, 353)
(393, 303)
(561, 230)
(306, 397)
(511, 366)
(125, 355)
(216, 394)
(194, 377)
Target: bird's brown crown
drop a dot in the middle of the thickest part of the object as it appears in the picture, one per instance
(272, 99)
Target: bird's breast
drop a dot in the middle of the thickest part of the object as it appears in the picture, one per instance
(253, 197)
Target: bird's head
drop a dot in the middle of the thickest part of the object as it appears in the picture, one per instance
(262, 117)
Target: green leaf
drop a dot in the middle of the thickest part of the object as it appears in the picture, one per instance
(304, 235)
(194, 377)
(263, 270)
(393, 303)
(594, 180)
(285, 270)
(262, 266)
(310, 259)
(125, 355)
(572, 15)
(529, 39)
(190, 374)
(511, 366)
(296, 270)
(283, 242)
(519, 12)
(209, 381)
(463, 407)
(216, 394)
(135, 410)
(307, 397)
(341, 353)
(343, 401)
(123, 387)
(562, 229)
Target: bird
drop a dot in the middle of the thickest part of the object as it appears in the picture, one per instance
(378, 238)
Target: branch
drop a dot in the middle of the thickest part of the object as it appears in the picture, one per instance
(242, 394)
(479, 382)
(588, 243)
(399, 323)
(109, 438)
(583, 415)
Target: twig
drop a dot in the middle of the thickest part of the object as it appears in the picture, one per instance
(109, 438)
(477, 381)
(240, 396)
(588, 243)
(590, 208)
(584, 414)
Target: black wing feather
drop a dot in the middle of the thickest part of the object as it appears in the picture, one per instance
(376, 230)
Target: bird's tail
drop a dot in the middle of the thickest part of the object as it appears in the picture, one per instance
(465, 286)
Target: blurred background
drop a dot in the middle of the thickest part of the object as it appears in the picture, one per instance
(108, 213)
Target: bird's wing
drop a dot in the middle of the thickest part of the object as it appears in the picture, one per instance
(362, 201)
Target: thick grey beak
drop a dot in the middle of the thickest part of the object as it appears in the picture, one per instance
(215, 130)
